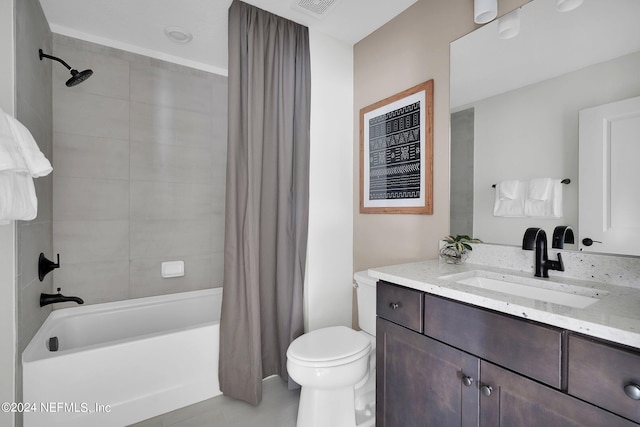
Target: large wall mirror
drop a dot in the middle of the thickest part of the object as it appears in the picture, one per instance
(516, 105)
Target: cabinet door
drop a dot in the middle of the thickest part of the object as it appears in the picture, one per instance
(508, 399)
(422, 382)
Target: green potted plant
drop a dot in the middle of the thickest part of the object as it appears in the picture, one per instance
(456, 249)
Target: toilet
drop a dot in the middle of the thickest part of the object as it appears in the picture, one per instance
(335, 366)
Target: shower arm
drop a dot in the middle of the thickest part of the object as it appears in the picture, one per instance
(44, 55)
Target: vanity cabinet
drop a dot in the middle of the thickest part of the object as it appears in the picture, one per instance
(509, 399)
(607, 375)
(422, 382)
(460, 365)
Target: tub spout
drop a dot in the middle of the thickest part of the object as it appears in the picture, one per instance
(46, 299)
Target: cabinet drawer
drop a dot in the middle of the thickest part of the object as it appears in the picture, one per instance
(599, 372)
(532, 349)
(400, 305)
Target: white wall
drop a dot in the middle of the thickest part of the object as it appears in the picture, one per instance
(532, 132)
(7, 232)
(329, 273)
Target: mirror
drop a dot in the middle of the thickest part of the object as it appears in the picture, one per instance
(515, 105)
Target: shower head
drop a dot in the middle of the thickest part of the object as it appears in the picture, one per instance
(77, 77)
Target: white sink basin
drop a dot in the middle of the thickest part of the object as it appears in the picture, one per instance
(541, 290)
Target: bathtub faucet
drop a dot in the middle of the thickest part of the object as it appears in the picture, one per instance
(46, 299)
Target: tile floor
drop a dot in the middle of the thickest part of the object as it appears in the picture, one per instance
(279, 408)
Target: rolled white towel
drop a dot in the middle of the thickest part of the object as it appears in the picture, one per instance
(17, 197)
(36, 162)
(11, 158)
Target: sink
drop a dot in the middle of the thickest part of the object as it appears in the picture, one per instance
(541, 290)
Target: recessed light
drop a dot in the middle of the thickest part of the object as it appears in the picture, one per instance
(178, 34)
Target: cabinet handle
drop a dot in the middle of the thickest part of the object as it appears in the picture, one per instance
(633, 391)
(486, 390)
(467, 380)
(394, 306)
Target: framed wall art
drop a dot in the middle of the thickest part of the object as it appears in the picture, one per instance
(396, 153)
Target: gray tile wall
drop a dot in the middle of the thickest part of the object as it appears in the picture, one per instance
(139, 174)
(462, 149)
(33, 109)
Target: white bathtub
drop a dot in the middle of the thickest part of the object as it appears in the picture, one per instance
(122, 362)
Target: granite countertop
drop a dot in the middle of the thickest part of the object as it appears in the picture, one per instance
(614, 317)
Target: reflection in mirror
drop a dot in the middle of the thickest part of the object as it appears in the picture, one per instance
(516, 103)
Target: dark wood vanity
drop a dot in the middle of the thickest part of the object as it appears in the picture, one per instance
(445, 363)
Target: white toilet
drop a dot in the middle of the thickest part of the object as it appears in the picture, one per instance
(335, 367)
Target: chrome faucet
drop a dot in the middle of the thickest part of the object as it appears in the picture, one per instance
(46, 299)
(537, 238)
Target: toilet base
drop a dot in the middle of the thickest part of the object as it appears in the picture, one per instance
(312, 410)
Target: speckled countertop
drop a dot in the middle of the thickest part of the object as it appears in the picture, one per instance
(615, 316)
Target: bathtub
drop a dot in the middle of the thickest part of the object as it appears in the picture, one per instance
(122, 362)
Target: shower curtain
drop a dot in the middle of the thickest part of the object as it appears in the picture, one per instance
(267, 201)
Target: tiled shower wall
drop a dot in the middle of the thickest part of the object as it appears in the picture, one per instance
(33, 109)
(139, 155)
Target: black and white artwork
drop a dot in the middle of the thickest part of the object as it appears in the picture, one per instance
(394, 155)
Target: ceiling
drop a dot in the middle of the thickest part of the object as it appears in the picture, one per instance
(138, 25)
(484, 65)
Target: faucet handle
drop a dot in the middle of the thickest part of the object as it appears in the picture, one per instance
(555, 265)
(45, 265)
(562, 234)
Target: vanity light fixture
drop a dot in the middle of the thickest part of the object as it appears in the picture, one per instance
(484, 11)
(509, 25)
(567, 5)
(178, 34)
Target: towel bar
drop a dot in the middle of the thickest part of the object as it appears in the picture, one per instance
(564, 181)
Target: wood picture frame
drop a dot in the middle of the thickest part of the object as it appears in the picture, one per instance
(396, 153)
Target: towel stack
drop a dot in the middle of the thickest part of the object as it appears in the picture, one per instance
(540, 198)
(20, 162)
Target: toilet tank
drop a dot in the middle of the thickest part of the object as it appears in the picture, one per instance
(366, 295)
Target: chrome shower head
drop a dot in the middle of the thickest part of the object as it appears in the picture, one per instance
(77, 77)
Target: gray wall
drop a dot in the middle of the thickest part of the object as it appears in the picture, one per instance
(461, 181)
(34, 110)
(139, 174)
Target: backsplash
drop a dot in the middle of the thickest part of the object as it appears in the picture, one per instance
(613, 270)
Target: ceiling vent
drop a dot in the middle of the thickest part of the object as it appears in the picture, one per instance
(315, 8)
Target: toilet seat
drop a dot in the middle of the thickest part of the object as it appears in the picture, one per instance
(328, 347)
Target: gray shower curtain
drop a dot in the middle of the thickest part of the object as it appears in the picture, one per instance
(267, 201)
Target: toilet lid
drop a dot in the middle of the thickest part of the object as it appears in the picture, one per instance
(326, 346)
